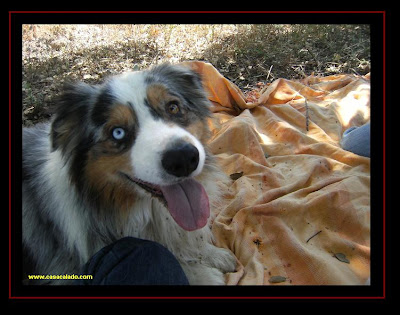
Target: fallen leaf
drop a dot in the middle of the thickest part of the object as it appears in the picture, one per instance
(236, 176)
(342, 258)
(276, 279)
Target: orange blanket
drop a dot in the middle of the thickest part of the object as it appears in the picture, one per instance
(297, 211)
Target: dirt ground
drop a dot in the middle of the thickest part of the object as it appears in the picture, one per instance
(251, 56)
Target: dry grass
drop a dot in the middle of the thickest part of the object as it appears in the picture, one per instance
(245, 54)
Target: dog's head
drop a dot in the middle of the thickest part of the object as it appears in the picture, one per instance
(138, 134)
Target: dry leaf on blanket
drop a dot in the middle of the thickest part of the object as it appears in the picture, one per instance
(277, 279)
(342, 258)
(236, 176)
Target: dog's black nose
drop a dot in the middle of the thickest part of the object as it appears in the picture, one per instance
(181, 160)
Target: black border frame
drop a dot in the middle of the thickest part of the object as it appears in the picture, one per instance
(377, 20)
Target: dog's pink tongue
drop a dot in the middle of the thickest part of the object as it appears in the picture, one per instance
(188, 204)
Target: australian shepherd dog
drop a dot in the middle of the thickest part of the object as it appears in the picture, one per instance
(124, 158)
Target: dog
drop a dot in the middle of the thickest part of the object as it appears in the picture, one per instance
(127, 157)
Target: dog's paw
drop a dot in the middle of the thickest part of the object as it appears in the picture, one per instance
(203, 275)
(222, 259)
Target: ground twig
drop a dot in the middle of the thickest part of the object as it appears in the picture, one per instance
(307, 114)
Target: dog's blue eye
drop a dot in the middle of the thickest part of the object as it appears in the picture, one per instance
(118, 133)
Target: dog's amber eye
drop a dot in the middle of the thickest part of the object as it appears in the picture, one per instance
(173, 108)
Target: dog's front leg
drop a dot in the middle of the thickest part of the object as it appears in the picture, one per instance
(210, 269)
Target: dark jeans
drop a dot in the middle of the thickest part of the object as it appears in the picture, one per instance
(132, 261)
(357, 140)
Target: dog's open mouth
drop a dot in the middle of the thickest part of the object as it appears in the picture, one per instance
(153, 189)
(186, 201)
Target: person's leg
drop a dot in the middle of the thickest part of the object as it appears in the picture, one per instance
(357, 140)
(132, 261)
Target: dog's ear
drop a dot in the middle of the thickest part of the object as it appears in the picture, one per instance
(72, 115)
(186, 82)
(194, 92)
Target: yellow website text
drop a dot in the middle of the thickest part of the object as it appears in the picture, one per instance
(60, 277)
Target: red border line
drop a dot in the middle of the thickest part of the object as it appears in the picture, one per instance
(197, 298)
(384, 153)
(9, 153)
(185, 12)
